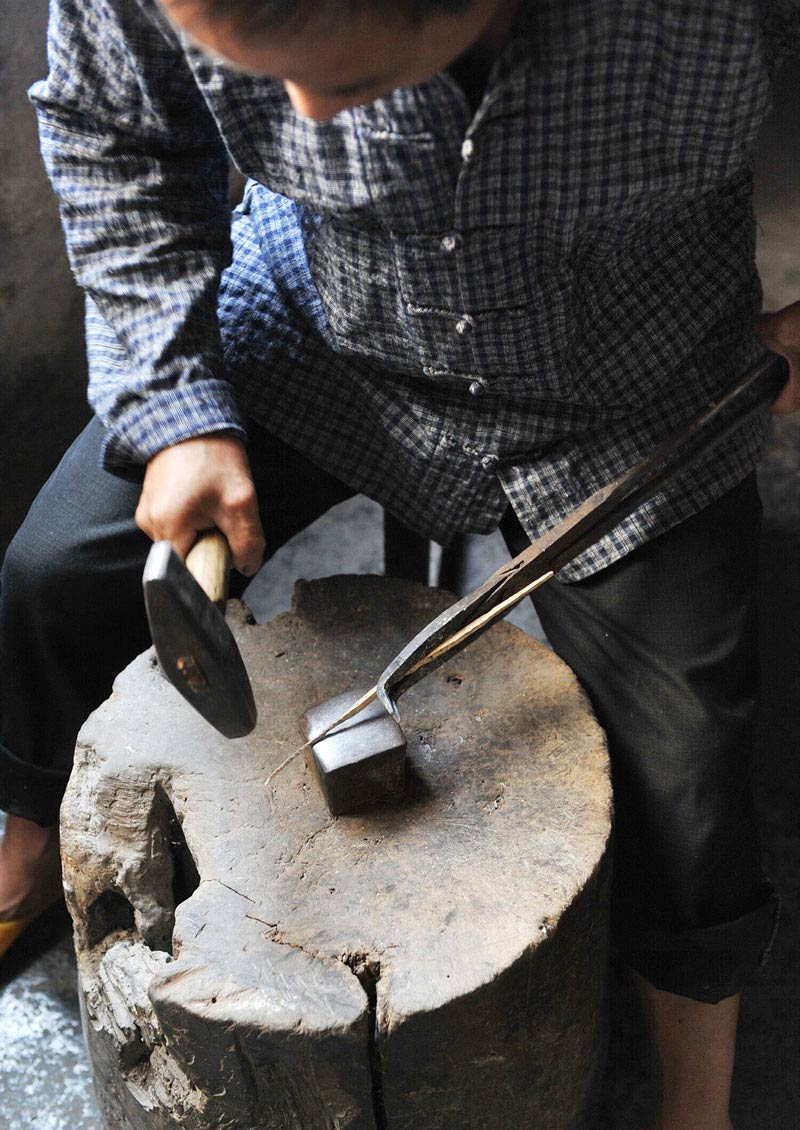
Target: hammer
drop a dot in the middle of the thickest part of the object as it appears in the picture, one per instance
(357, 757)
(195, 647)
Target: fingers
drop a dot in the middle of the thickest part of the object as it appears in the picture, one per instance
(239, 520)
(780, 332)
(182, 539)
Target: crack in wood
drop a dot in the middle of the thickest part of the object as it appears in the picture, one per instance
(273, 936)
(263, 921)
(228, 887)
(368, 973)
(308, 841)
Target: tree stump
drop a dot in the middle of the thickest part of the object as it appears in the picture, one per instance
(246, 961)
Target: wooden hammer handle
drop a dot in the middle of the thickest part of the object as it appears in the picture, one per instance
(209, 562)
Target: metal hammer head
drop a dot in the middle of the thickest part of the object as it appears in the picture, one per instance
(195, 646)
(359, 762)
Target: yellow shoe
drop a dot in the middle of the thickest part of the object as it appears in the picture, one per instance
(10, 931)
(13, 929)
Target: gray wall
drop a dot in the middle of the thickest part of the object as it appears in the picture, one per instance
(41, 352)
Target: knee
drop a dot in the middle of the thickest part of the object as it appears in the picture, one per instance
(36, 565)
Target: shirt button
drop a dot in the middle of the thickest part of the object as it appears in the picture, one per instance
(449, 243)
(478, 388)
(467, 149)
(465, 324)
(489, 462)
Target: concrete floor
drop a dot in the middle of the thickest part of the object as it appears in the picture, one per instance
(44, 1078)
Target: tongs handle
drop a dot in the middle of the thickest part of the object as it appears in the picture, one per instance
(585, 525)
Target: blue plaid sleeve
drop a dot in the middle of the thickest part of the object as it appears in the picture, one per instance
(141, 175)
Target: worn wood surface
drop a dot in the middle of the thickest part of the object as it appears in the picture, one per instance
(435, 964)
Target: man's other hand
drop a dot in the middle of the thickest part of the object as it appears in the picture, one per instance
(780, 332)
(198, 484)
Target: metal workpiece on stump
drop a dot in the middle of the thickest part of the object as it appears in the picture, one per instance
(362, 760)
(248, 960)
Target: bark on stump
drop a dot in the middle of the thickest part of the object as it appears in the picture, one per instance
(248, 962)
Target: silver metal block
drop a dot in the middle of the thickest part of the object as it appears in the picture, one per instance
(361, 761)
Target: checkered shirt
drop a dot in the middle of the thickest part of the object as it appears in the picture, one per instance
(446, 310)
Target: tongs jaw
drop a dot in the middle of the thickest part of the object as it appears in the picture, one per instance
(594, 518)
(415, 660)
(406, 668)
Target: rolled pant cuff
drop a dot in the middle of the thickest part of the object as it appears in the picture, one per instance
(707, 964)
(30, 791)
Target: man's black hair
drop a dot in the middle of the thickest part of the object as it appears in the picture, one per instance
(290, 15)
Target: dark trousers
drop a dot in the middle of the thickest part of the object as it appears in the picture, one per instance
(662, 641)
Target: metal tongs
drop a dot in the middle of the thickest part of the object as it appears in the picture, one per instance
(469, 617)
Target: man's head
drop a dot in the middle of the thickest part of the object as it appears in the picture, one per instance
(333, 54)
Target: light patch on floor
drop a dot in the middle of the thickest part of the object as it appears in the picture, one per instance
(45, 1081)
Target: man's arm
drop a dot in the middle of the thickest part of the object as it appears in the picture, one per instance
(141, 175)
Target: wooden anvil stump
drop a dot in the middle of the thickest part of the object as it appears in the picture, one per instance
(248, 962)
